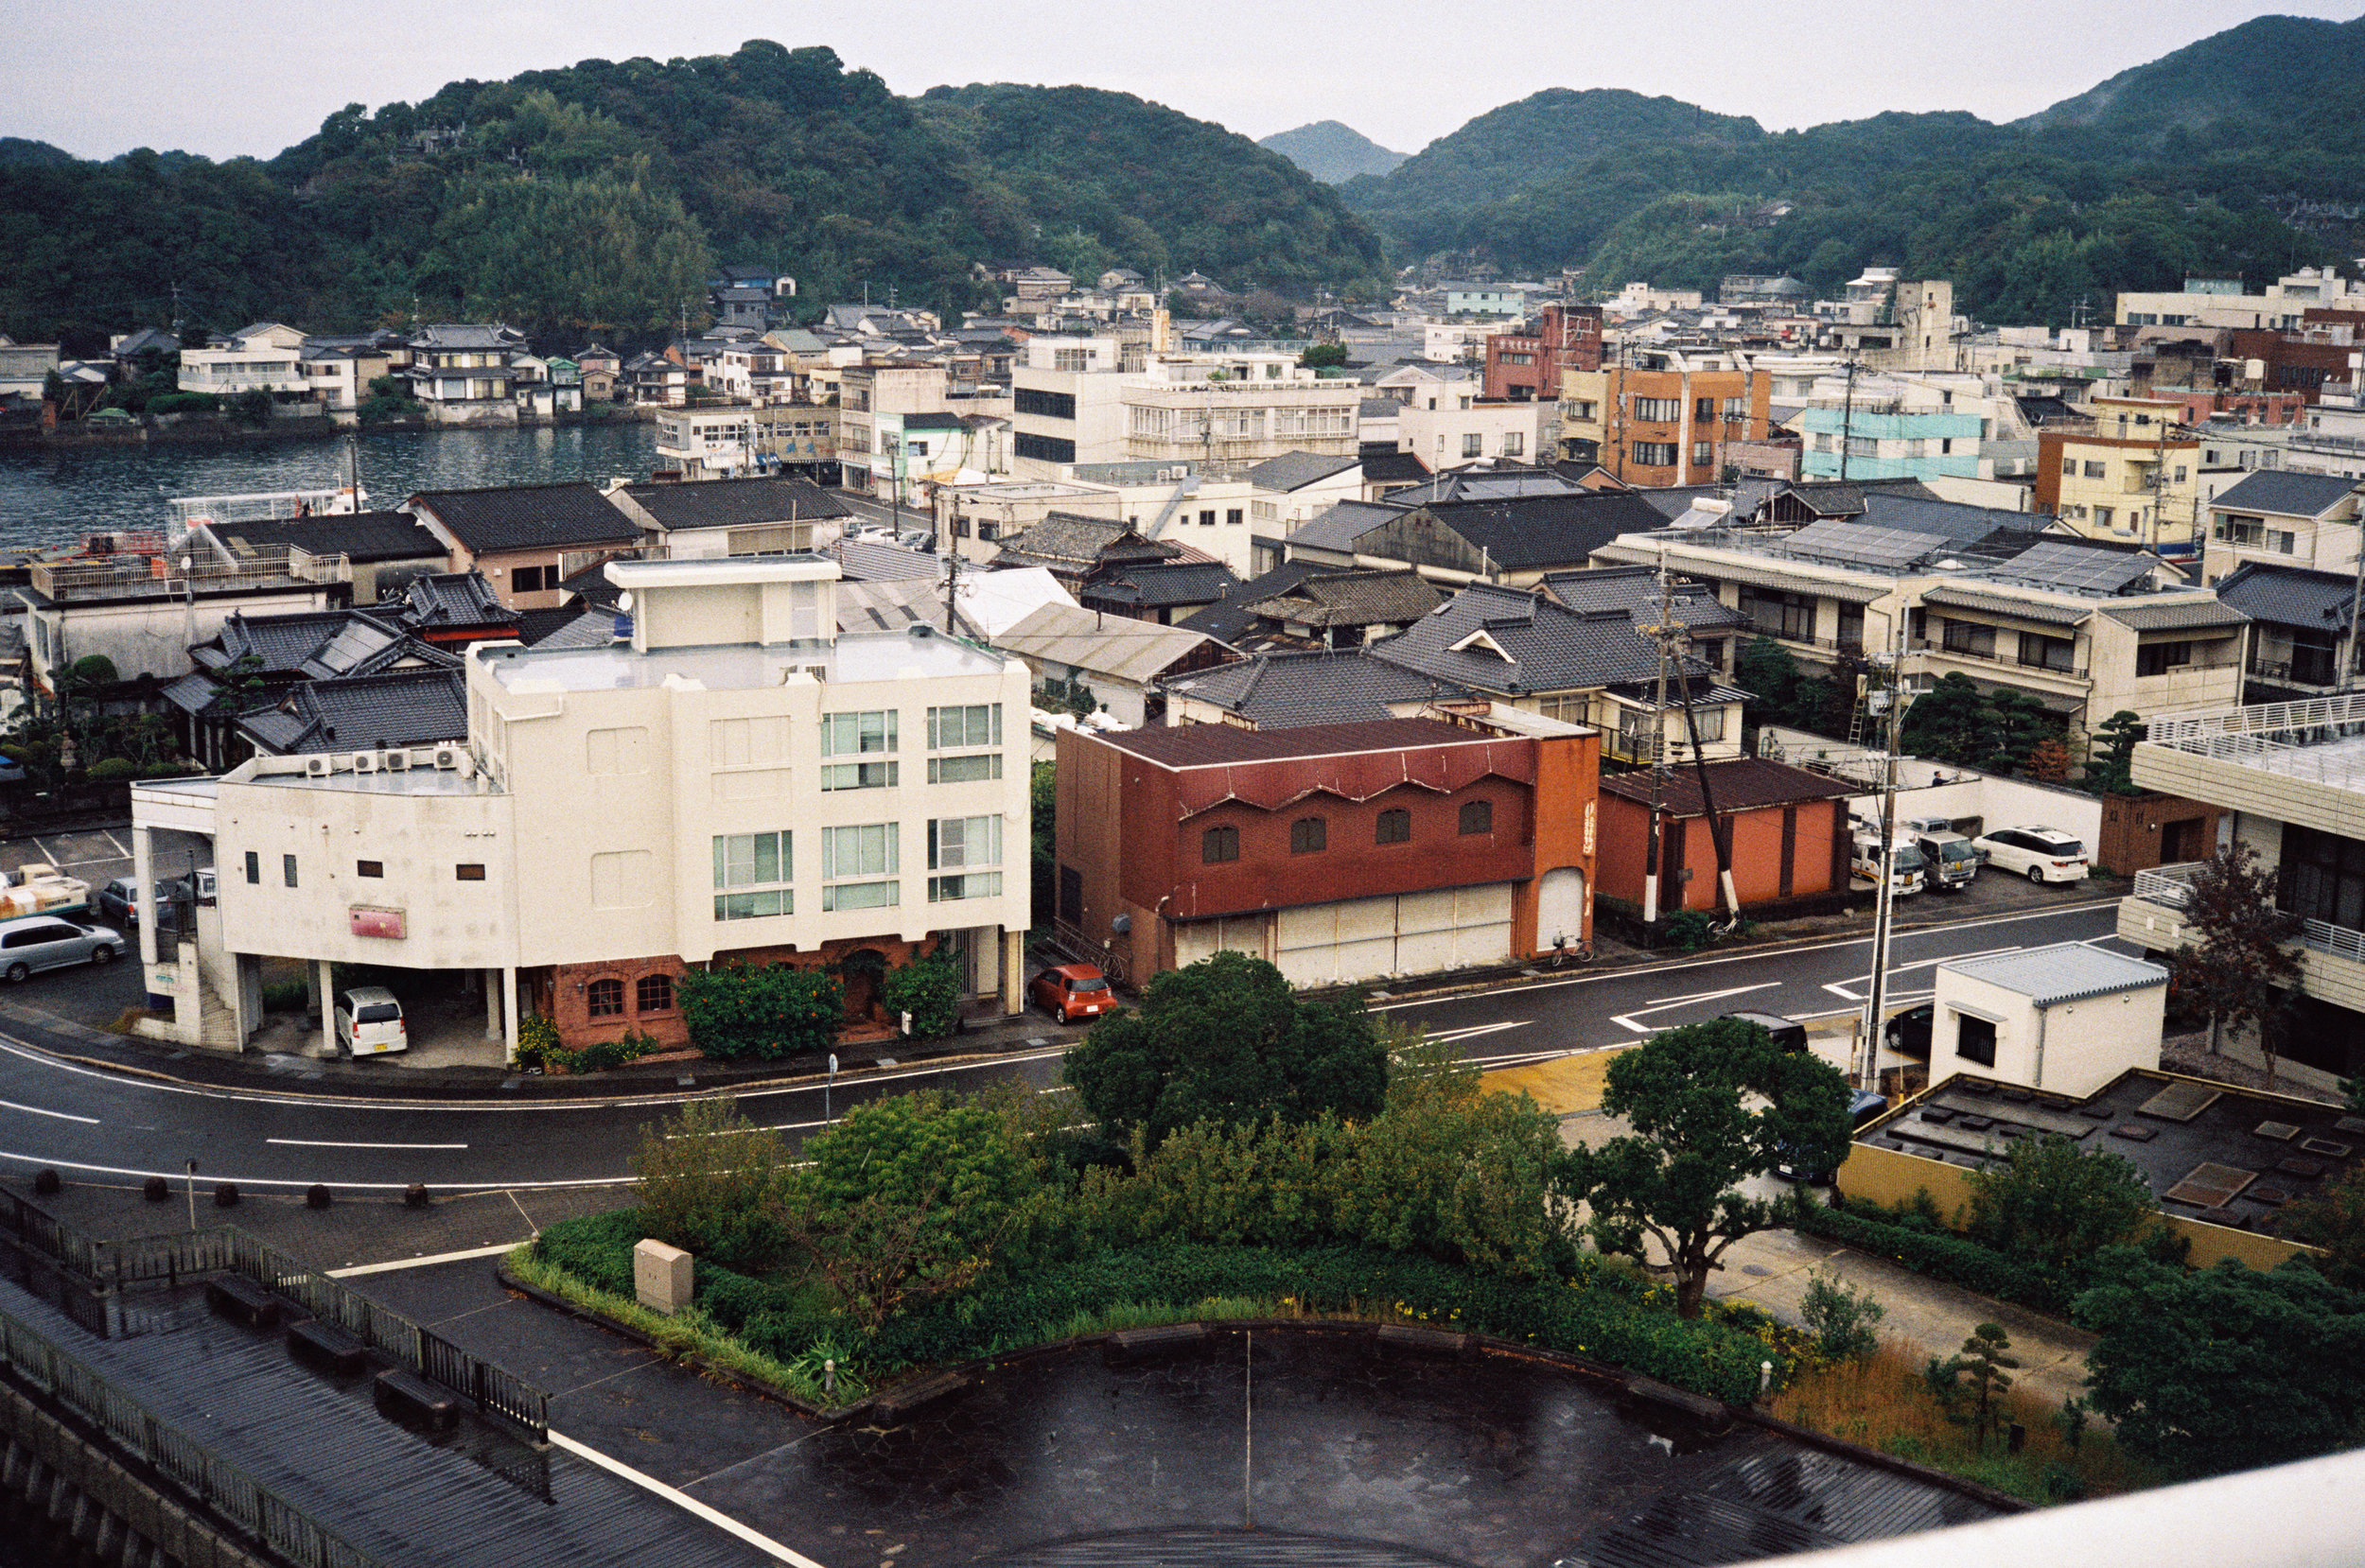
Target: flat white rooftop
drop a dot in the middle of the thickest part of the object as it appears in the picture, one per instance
(739, 666)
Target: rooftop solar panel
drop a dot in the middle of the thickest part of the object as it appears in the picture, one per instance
(2058, 564)
(1863, 545)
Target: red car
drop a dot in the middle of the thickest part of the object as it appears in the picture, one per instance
(1074, 991)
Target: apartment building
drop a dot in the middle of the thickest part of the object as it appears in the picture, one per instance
(2290, 778)
(2221, 302)
(1473, 429)
(1911, 427)
(2280, 517)
(243, 365)
(874, 402)
(735, 782)
(1527, 365)
(1235, 409)
(2085, 630)
(2133, 474)
(466, 374)
(1665, 416)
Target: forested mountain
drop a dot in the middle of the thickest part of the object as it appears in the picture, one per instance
(600, 197)
(1332, 152)
(2185, 166)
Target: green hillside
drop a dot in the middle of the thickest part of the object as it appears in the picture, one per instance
(2177, 167)
(1332, 152)
(599, 197)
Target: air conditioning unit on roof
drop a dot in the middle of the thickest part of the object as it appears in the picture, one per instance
(397, 761)
(447, 757)
(316, 767)
(365, 761)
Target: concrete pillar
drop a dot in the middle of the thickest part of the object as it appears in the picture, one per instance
(326, 982)
(492, 1004)
(144, 885)
(1013, 972)
(509, 1008)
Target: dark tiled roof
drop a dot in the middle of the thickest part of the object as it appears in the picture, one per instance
(363, 536)
(1832, 498)
(1390, 467)
(192, 693)
(1544, 646)
(2290, 595)
(1288, 690)
(732, 503)
(1337, 528)
(2279, 491)
(1232, 617)
(528, 516)
(1562, 530)
(567, 628)
(404, 707)
(1738, 783)
(317, 645)
(452, 598)
(1217, 745)
(1162, 585)
(1634, 590)
(467, 334)
(1354, 598)
(1292, 469)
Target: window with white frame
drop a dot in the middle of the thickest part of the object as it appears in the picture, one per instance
(857, 866)
(751, 875)
(969, 851)
(854, 735)
(975, 725)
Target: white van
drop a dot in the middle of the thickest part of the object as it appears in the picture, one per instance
(369, 1022)
(1907, 865)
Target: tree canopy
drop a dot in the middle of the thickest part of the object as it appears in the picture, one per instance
(1227, 1040)
(1712, 1105)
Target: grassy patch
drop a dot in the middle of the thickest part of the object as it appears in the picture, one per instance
(691, 1333)
(1884, 1403)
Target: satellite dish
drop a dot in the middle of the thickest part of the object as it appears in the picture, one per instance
(624, 601)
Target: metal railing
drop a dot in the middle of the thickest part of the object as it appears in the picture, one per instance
(116, 575)
(2169, 886)
(214, 1481)
(226, 1249)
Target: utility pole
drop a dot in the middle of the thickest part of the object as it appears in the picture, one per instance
(1876, 1001)
(1846, 420)
(2356, 604)
(1658, 769)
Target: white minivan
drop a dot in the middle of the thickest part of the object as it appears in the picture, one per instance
(369, 1022)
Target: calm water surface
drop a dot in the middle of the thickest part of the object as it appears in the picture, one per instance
(54, 496)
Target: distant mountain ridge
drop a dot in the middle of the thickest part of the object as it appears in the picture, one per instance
(2188, 166)
(1332, 152)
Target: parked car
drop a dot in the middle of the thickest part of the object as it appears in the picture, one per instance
(1863, 1106)
(1788, 1033)
(119, 902)
(1950, 861)
(1908, 1033)
(369, 1022)
(1074, 991)
(2039, 854)
(200, 884)
(45, 942)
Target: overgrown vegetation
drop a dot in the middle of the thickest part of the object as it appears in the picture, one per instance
(929, 991)
(761, 1010)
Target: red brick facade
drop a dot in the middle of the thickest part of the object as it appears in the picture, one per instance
(565, 993)
(1524, 367)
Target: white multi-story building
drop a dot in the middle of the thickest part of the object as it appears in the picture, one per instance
(734, 781)
(243, 365)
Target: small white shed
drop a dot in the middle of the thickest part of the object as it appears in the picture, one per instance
(2067, 1019)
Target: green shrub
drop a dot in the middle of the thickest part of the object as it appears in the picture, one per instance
(713, 1183)
(286, 996)
(930, 990)
(183, 403)
(1690, 930)
(1909, 1240)
(108, 769)
(761, 1010)
(537, 1041)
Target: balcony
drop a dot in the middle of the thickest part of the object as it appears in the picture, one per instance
(2332, 958)
(165, 577)
(1994, 659)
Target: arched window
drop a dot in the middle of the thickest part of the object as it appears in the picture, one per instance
(607, 999)
(1477, 816)
(654, 993)
(1395, 826)
(1220, 844)
(1309, 834)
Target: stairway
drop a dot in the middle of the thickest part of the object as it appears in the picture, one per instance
(217, 1026)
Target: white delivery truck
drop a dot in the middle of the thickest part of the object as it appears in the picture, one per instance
(1905, 864)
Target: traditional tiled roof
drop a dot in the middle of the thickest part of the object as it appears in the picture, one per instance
(1285, 691)
(2285, 494)
(1353, 599)
(1293, 470)
(734, 503)
(526, 516)
(451, 598)
(1526, 533)
(1160, 585)
(2191, 614)
(1339, 528)
(1504, 640)
(2290, 595)
(405, 707)
(1634, 590)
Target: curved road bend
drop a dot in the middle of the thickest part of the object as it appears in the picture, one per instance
(100, 1126)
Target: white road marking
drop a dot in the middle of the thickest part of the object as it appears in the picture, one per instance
(331, 1143)
(428, 1262)
(455, 1188)
(1846, 988)
(683, 1501)
(1445, 1036)
(36, 1110)
(1758, 957)
(124, 853)
(1632, 1020)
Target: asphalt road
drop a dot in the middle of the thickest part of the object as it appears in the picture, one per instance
(102, 1125)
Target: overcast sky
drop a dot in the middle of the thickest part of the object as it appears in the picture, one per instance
(99, 77)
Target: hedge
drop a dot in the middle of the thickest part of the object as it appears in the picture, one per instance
(1942, 1255)
(1602, 1319)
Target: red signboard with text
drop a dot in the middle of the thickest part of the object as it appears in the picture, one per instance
(368, 921)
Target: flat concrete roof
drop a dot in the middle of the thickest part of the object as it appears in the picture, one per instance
(737, 667)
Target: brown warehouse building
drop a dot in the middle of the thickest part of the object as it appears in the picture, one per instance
(1790, 835)
(1340, 852)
